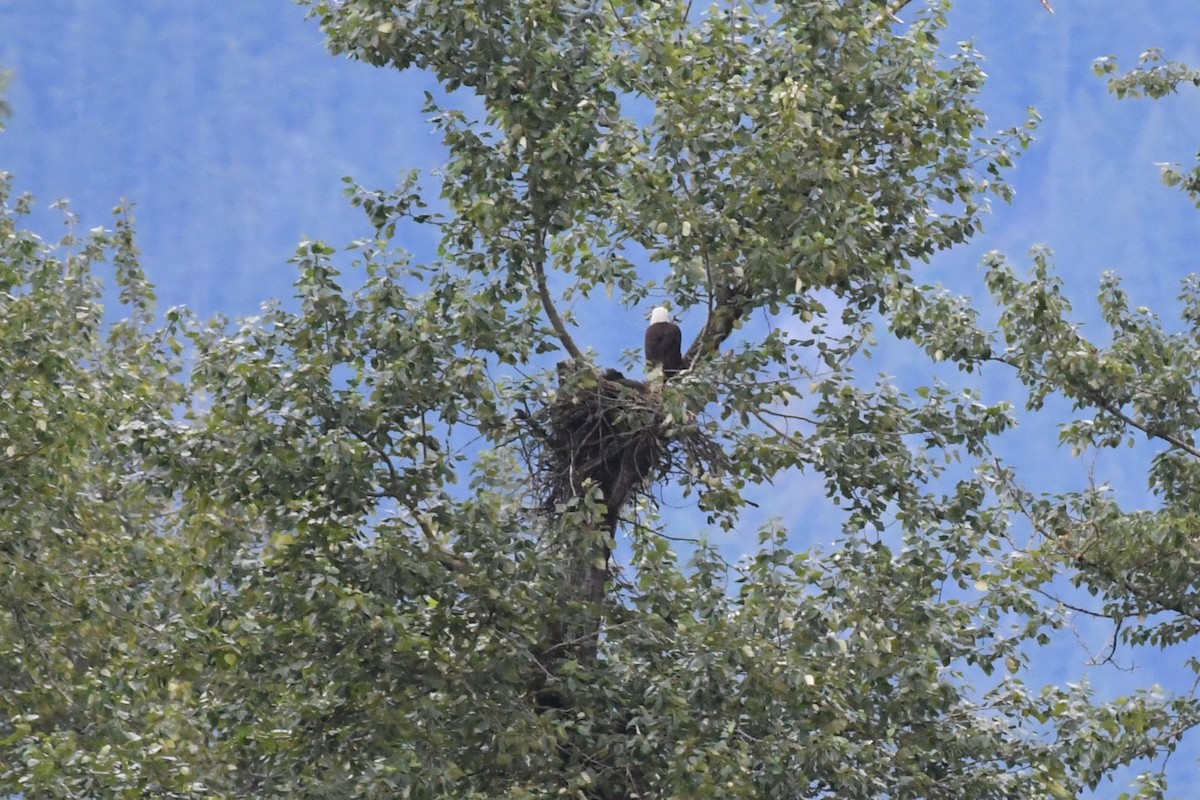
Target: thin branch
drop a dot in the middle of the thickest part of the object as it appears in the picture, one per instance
(616, 15)
(447, 560)
(1123, 582)
(1115, 410)
(560, 328)
(1169, 438)
(1081, 610)
(785, 435)
(1161, 599)
(538, 230)
(785, 415)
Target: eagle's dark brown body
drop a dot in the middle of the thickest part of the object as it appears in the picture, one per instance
(663, 344)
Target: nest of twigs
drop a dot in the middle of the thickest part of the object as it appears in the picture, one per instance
(608, 432)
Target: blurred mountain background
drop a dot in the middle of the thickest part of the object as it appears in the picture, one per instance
(231, 129)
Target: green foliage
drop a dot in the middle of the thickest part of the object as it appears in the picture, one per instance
(1156, 77)
(94, 661)
(1140, 384)
(321, 563)
(1136, 382)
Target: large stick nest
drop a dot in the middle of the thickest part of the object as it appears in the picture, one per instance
(608, 432)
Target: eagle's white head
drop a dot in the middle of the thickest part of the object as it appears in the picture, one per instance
(660, 314)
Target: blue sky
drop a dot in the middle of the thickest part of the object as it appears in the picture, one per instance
(231, 128)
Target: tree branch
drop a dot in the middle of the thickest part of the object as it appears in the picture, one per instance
(1147, 594)
(540, 225)
(1108, 407)
(1169, 438)
(539, 272)
(731, 305)
(1118, 579)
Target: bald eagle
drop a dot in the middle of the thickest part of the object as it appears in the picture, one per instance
(663, 341)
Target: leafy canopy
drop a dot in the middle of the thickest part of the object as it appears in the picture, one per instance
(305, 555)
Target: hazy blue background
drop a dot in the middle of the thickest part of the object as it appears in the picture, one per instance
(231, 128)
